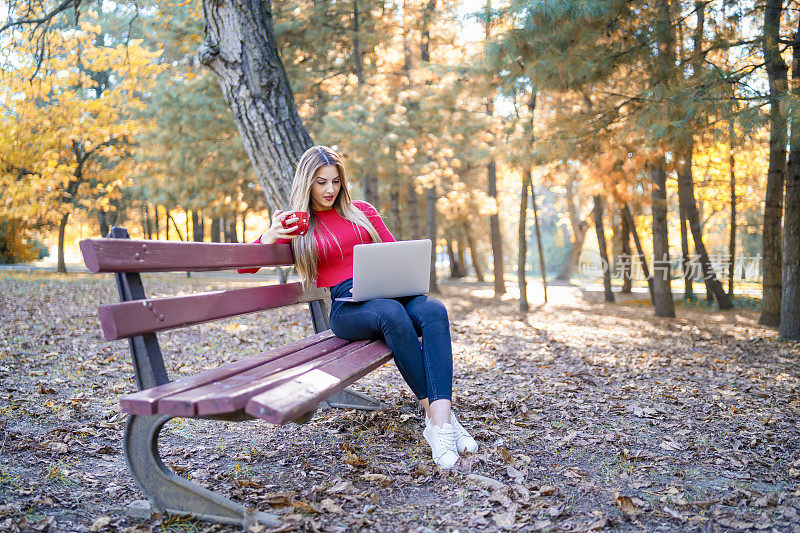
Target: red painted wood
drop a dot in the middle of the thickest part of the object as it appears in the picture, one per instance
(232, 393)
(145, 402)
(127, 255)
(128, 319)
(291, 399)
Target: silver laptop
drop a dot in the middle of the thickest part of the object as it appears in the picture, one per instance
(390, 270)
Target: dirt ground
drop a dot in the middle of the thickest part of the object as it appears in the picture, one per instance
(589, 416)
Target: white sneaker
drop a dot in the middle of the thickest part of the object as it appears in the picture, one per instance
(464, 441)
(443, 444)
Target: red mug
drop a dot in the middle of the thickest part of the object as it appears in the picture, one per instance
(303, 220)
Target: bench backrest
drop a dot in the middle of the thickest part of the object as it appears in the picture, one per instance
(138, 318)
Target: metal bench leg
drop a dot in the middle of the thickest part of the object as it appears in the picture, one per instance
(169, 492)
(350, 399)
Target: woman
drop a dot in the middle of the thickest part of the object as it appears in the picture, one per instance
(324, 257)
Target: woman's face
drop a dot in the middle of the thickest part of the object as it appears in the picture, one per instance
(325, 187)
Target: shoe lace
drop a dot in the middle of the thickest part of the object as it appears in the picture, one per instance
(447, 438)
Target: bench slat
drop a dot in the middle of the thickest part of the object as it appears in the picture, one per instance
(232, 393)
(145, 402)
(128, 255)
(294, 398)
(128, 319)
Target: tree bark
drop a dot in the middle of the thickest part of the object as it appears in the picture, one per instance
(397, 212)
(197, 227)
(414, 221)
(732, 240)
(145, 222)
(662, 290)
(494, 228)
(625, 252)
(216, 234)
(431, 231)
(537, 229)
(626, 213)
(773, 201)
(601, 243)
(686, 198)
(473, 252)
(579, 230)
(790, 302)
(370, 186)
(451, 256)
(62, 228)
(240, 48)
(688, 282)
(522, 258)
(102, 220)
(460, 256)
(156, 227)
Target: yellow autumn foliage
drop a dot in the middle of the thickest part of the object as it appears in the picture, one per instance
(64, 140)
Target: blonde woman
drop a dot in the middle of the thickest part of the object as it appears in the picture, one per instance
(324, 257)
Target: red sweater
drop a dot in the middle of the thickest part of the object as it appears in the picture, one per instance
(335, 238)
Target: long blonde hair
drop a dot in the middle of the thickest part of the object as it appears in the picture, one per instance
(305, 246)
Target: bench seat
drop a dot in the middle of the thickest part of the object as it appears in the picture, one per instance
(278, 386)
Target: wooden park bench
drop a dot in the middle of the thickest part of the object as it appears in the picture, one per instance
(282, 385)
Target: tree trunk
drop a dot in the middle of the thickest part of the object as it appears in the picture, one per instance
(370, 185)
(197, 227)
(233, 222)
(145, 222)
(790, 303)
(773, 200)
(216, 234)
(62, 228)
(626, 213)
(686, 197)
(579, 229)
(522, 258)
(686, 259)
(166, 222)
(431, 231)
(662, 291)
(414, 221)
(451, 256)
(244, 226)
(732, 240)
(497, 241)
(240, 47)
(542, 269)
(156, 228)
(462, 261)
(625, 253)
(473, 252)
(102, 220)
(397, 212)
(601, 243)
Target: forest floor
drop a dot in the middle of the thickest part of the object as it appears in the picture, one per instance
(589, 416)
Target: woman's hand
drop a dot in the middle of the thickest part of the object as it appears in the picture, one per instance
(277, 231)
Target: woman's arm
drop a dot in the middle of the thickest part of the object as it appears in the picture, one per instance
(375, 218)
(272, 236)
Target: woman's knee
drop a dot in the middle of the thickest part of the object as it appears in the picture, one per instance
(430, 309)
(393, 315)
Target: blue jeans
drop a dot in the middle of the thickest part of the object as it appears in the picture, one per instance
(427, 368)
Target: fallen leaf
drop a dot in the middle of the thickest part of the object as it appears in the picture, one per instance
(331, 506)
(100, 523)
(628, 507)
(383, 479)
